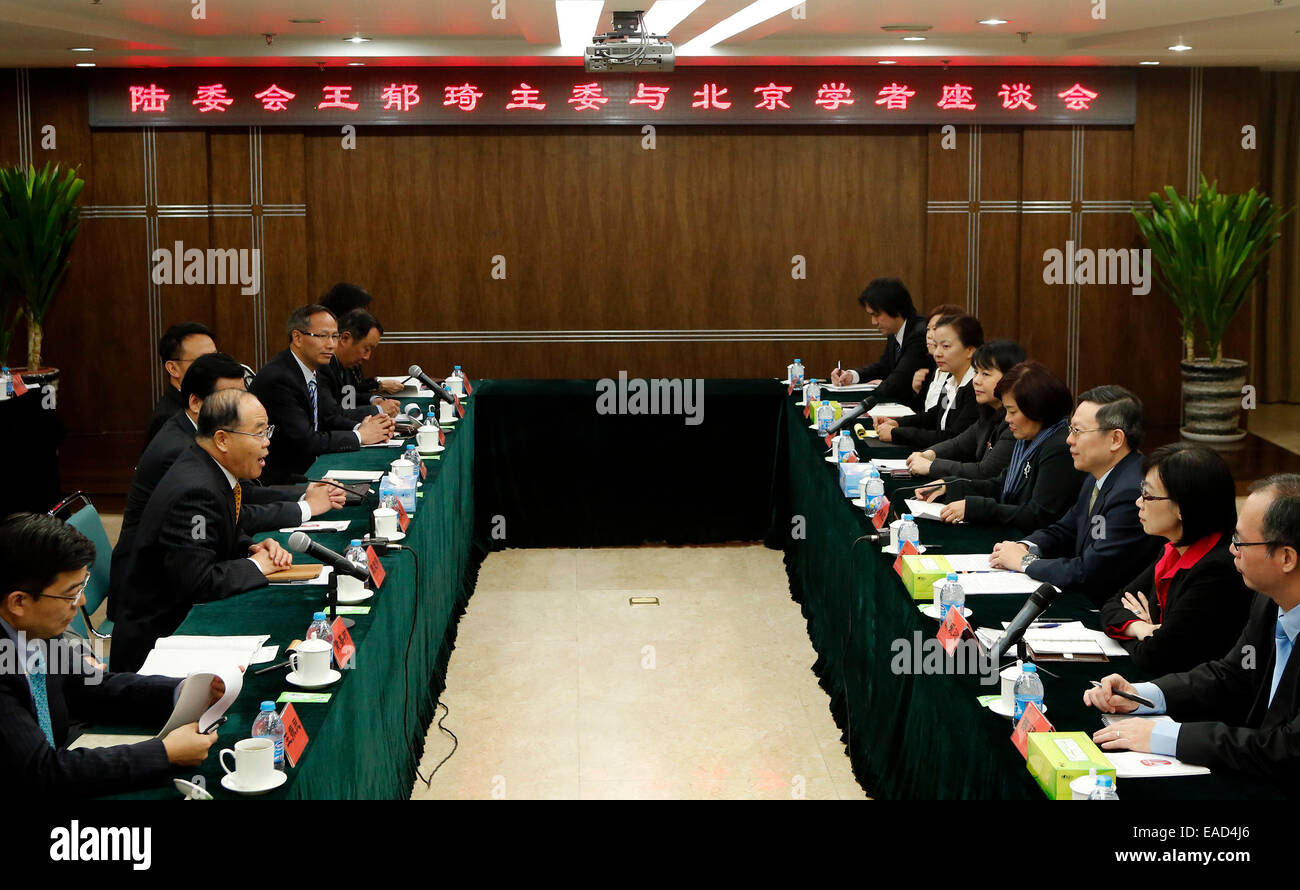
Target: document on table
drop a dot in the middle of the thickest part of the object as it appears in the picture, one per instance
(1141, 765)
(391, 443)
(410, 387)
(320, 580)
(995, 582)
(1070, 638)
(891, 409)
(355, 475)
(969, 562)
(924, 510)
(889, 464)
(180, 656)
(831, 387)
(325, 525)
(191, 707)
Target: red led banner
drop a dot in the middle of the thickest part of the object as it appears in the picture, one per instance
(204, 97)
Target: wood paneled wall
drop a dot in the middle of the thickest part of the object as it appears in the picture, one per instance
(601, 236)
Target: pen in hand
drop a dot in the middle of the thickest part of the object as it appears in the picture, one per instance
(1136, 699)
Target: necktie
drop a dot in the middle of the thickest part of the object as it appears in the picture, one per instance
(1092, 499)
(239, 499)
(1282, 643)
(36, 679)
(311, 394)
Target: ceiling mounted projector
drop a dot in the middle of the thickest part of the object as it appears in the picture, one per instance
(629, 47)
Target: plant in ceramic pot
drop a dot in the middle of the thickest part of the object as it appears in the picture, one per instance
(39, 218)
(1208, 249)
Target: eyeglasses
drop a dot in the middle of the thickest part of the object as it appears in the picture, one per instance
(333, 335)
(264, 435)
(1076, 432)
(1239, 543)
(81, 588)
(1151, 497)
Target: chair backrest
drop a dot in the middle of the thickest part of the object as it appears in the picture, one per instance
(87, 521)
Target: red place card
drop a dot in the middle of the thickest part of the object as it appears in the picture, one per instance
(460, 409)
(789, 390)
(20, 388)
(376, 568)
(295, 735)
(878, 518)
(806, 409)
(403, 518)
(442, 436)
(469, 390)
(830, 440)
(907, 549)
(1032, 721)
(952, 629)
(344, 648)
(424, 471)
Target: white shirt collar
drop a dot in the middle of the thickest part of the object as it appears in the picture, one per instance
(308, 375)
(193, 423)
(954, 384)
(901, 332)
(1104, 477)
(230, 477)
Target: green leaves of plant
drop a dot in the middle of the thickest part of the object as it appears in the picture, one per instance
(39, 218)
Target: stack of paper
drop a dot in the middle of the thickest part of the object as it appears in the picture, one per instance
(180, 656)
(925, 510)
(995, 582)
(320, 525)
(886, 465)
(891, 409)
(354, 475)
(1071, 638)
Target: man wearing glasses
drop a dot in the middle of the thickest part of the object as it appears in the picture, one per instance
(1099, 544)
(188, 547)
(301, 407)
(1241, 712)
(44, 687)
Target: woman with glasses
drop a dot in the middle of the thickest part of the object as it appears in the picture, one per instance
(1190, 605)
(956, 337)
(1040, 483)
(983, 449)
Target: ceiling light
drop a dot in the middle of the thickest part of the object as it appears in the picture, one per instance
(906, 27)
(356, 39)
(1180, 47)
(668, 14)
(1148, 62)
(578, 21)
(305, 21)
(914, 37)
(751, 15)
(81, 49)
(356, 64)
(886, 62)
(992, 21)
(85, 64)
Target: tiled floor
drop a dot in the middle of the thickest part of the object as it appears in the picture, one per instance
(558, 688)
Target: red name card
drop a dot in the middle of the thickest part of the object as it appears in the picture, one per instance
(907, 549)
(424, 473)
(376, 568)
(442, 436)
(1032, 721)
(460, 409)
(344, 648)
(806, 408)
(295, 735)
(789, 390)
(469, 390)
(878, 518)
(403, 519)
(830, 440)
(953, 627)
(20, 388)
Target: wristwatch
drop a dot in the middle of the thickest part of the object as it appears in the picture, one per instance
(1026, 560)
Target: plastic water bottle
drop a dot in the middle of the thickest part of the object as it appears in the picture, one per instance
(874, 493)
(1105, 789)
(909, 532)
(952, 594)
(1028, 689)
(319, 629)
(6, 383)
(844, 446)
(268, 725)
(412, 455)
(796, 372)
(812, 391)
(825, 417)
(356, 555)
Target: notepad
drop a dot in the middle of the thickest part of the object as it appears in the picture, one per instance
(891, 409)
(1141, 765)
(978, 583)
(327, 525)
(889, 464)
(355, 475)
(180, 656)
(925, 510)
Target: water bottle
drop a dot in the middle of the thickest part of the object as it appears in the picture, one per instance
(1105, 789)
(844, 446)
(874, 493)
(796, 372)
(356, 554)
(1028, 689)
(6, 384)
(412, 455)
(388, 492)
(909, 532)
(825, 417)
(812, 391)
(319, 629)
(952, 594)
(268, 725)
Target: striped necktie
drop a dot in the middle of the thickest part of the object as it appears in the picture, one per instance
(36, 679)
(311, 394)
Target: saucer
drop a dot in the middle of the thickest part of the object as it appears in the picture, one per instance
(997, 707)
(894, 552)
(334, 677)
(230, 783)
(351, 599)
(932, 611)
(436, 449)
(395, 536)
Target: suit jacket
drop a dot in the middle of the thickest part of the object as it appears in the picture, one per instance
(920, 431)
(171, 402)
(1097, 557)
(1205, 609)
(186, 549)
(898, 365)
(336, 378)
(981, 451)
(295, 445)
(1045, 489)
(32, 767)
(1227, 721)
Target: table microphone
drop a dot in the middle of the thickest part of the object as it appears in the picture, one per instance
(300, 542)
(1037, 603)
(418, 373)
(853, 415)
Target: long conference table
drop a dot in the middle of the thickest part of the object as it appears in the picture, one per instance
(533, 463)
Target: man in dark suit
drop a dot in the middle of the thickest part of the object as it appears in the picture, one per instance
(178, 348)
(1241, 712)
(303, 411)
(45, 685)
(1099, 544)
(894, 315)
(359, 334)
(188, 547)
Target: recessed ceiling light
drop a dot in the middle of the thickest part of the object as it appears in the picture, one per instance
(356, 39)
(1148, 62)
(886, 62)
(81, 49)
(914, 37)
(85, 64)
(992, 21)
(356, 64)
(1180, 47)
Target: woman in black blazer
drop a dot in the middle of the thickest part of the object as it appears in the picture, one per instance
(984, 449)
(956, 337)
(1189, 606)
(1040, 484)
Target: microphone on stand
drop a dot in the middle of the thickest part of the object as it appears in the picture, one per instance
(301, 542)
(1037, 603)
(439, 390)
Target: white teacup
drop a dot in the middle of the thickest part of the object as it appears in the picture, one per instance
(456, 385)
(427, 438)
(1009, 677)
(414, 412)
(402, 467)
(446, 412)
(385, 524)
(312, 660)
(254, 761)
(350, 586)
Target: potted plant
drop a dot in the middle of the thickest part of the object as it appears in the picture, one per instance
(39, 217)
(1208, 249)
